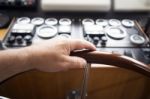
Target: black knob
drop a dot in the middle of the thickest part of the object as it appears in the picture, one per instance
(11, 39)
(19, 39)
(96, 40)
(103, 40)
(28, 39)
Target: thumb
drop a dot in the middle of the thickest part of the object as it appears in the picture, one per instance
(75, 62)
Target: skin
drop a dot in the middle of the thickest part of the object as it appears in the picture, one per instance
(48, 56)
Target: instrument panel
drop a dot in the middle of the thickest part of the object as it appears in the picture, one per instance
(112, 35)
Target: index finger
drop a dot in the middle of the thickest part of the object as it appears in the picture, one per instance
(81, 44)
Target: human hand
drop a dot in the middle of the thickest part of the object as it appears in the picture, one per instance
(54, 55)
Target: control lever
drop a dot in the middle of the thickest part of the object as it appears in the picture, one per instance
(114, 59)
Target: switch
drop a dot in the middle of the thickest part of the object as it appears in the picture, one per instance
(19, 39)
(96, 40)
(28, 39)
(103, 41)
(11, 39)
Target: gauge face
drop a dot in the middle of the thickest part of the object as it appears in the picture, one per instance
(101, 22)
(114, 22)
(137, 39)
(46, 32)
(65, 29)
(37, 21)
(93, 29)
(23, 20)
(128, 23)
(88, 21)
(116, 32)
(65, 21)
(51, 21)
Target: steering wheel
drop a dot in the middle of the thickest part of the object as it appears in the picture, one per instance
(114, 59)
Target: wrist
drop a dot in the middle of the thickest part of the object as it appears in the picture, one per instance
(25, 58)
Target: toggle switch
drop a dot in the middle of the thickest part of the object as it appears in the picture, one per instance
(19, 39)
(11, 39)
(103, 41)
(96, 40)
(28, 39)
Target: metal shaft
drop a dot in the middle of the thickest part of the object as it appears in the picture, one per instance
(85, 81)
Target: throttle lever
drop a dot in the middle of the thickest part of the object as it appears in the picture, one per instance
(114, 59)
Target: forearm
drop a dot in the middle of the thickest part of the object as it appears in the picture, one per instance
(13, 62)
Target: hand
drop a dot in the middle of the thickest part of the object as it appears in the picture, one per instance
(53, 55)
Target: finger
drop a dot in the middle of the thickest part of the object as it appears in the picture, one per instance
(81, 44)
(75, 62)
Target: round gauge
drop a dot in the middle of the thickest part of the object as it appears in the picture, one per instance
(37, 21)
(137, 39)
(101, 22)
(116, 32)
(46, 31)
(23, 20)
(88, 21)
(51, 21)
(65, 21)
(128, 23)
(114, 22)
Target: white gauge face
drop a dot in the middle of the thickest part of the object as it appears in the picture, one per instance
(51, 21)
(114, 22)
(102, 22)
(116, 32)
(128, 23)
(88, 21)
(65, 29)
(93, 29)
(23, 20)
(65, 21)
(23, 28)
(37, 21)
(137, 39)
(46, 31)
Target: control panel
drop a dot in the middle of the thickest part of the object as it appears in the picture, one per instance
(112, 35)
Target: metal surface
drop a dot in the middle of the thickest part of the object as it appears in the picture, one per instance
(85, 81)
